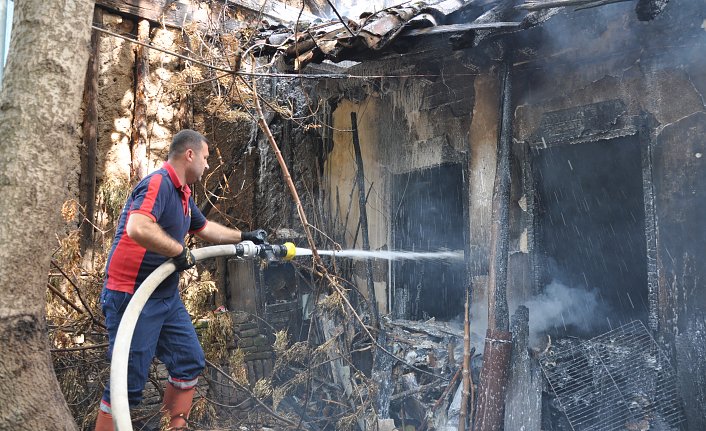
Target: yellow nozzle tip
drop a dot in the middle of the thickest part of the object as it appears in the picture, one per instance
(291, 250)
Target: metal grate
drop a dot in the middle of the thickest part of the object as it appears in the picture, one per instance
(620, 380)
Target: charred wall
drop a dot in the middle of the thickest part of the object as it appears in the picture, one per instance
(415, 122)
(659, 92)
(301, 148)
(583, 63)
(587, 81)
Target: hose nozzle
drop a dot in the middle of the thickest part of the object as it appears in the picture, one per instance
(270, 252)
(285, 251)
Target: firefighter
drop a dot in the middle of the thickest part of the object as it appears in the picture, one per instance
(158, 214)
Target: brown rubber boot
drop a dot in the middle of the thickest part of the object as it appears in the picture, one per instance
(177, 402)
(104, 422)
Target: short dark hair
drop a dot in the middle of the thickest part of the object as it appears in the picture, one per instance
(186, 139)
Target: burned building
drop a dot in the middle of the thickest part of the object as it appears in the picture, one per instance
(557, 147)
(605, 122)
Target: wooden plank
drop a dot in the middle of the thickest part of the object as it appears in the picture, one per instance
(167, 12)
(180, 12)
(275, 10)
(241, 286)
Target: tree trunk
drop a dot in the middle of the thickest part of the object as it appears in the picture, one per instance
(39, 115)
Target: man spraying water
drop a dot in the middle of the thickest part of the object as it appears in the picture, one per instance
(158, 214)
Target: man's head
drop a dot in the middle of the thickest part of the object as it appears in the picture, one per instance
(189, 150)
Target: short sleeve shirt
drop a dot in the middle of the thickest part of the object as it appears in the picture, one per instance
(161, 197)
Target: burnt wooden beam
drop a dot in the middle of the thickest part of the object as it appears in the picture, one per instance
(524, 390)
(167, 12)
(138, 167)
(456, 28)
(89, 127)
(538, 5)
(360, 178)
(382, 371)
(648, 192)
(498, 315)
(465, 413)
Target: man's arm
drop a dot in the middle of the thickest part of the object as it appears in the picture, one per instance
(147, 233)
(216, 233)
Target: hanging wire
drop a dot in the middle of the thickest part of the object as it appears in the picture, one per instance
(273, 75)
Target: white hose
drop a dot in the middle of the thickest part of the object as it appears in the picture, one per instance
(119, 406)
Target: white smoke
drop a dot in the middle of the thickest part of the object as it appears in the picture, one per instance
(569, 309)
(561, 306)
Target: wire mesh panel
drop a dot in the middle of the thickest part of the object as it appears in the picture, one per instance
(620, 380)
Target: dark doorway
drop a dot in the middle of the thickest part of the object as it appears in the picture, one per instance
(591, 227)
(428, 216)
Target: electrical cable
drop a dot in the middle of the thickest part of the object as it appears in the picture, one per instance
(274, 75)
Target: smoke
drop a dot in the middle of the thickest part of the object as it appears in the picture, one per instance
(559, 309)
(564, 308)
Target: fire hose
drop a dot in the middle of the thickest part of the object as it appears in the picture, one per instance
(120, 407)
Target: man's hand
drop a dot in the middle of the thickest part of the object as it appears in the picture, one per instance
(258, 236)
(184, 260)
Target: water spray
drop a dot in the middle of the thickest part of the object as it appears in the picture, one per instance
(387, 254)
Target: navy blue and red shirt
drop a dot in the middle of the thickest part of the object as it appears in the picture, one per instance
(161, 197)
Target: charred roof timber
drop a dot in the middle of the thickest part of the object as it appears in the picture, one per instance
(304, 38)
(374, 34)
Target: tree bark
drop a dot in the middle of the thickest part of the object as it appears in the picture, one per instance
(39, 115)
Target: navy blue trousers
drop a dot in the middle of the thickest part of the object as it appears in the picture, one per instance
(163, 330)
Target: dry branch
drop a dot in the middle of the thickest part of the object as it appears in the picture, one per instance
(75, 349)
(249, 392)
(319, 267)
(61, 296)
(78, 293)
